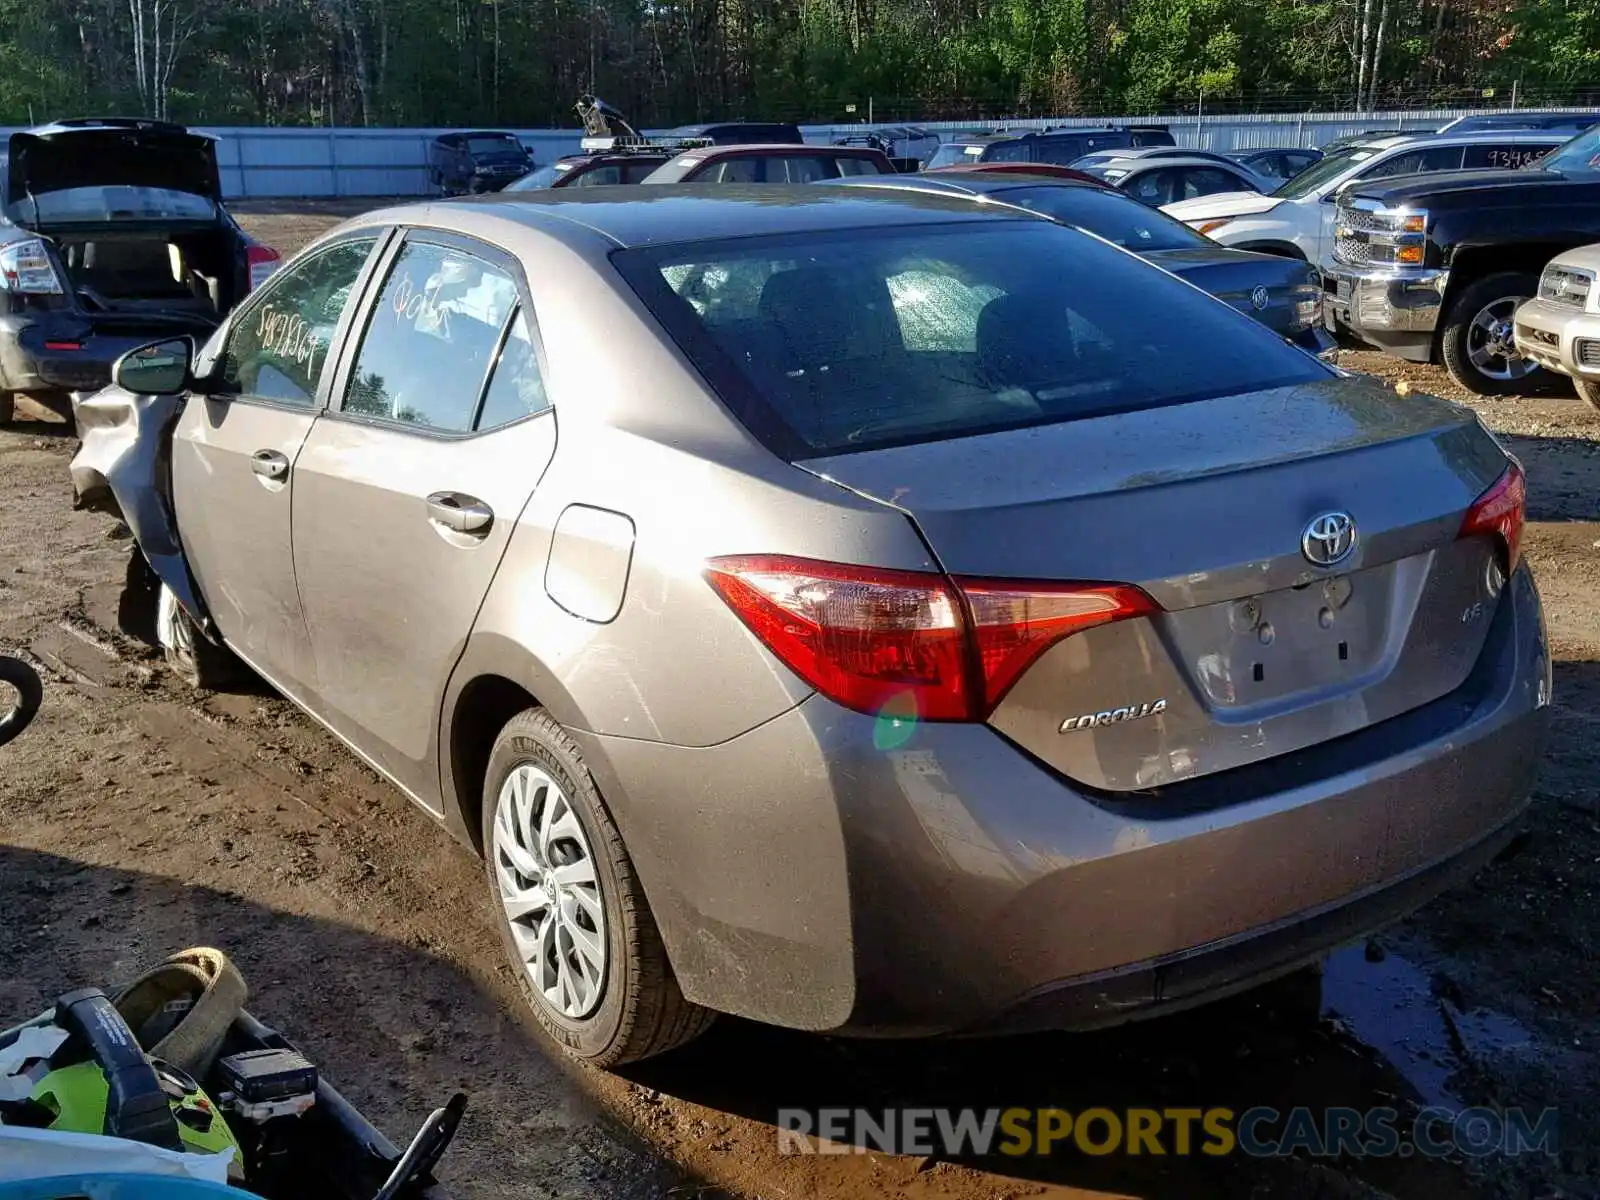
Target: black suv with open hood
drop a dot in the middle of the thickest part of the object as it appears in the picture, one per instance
(113, 235)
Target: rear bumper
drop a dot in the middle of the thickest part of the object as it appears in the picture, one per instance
(1396, 308)
(1560, 338)
(826, 872)
(65, 353)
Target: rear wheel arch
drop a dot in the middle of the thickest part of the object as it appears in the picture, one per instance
(495, 679)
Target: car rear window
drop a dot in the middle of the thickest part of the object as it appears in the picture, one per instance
(854, 340)
(1111, 215)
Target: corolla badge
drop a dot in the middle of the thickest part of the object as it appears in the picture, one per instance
(1329, 539)
(1260, 298)
(1114, 716)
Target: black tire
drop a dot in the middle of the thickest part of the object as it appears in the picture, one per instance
(190, 655)
(8, 407)
(1455, 340)
(1588, 390)
(641, 1013)
(25, 681)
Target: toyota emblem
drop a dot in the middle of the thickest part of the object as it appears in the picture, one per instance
(1260, 298)
(1329, 539)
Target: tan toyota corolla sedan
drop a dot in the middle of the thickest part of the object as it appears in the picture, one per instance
(859, 611)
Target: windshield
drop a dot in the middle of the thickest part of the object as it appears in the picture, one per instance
(1330, 168)
(543, 177)
(494, 145)
(93, 204)
(953, 154)
(1118, 218)
(1580, 156)
(851, 340)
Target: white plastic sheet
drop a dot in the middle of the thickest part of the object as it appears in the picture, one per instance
(43, 1153)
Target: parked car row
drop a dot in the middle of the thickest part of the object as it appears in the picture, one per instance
(1434, 267)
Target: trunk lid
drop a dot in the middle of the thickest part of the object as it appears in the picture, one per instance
(1206, 506)
(134, 155)
(1264, 286)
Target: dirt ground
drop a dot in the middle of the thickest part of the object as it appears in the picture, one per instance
(139, 818)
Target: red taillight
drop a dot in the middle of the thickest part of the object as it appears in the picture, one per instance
(263, 262)
(63, 345)
(1014, 623)
(1501, 510)
(909, 644)
(876, 641)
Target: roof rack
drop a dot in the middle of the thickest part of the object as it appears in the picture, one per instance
(638, 144)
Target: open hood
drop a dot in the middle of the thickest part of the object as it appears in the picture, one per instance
(58, 158)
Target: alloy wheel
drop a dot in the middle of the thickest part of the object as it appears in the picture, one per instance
(548, 887)
(1491, 345)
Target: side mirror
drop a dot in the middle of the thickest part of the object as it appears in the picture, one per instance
(160, 369)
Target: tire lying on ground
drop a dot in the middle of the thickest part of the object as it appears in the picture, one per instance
(571, 913)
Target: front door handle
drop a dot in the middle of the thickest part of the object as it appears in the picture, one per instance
(269, 464)
(460, 513)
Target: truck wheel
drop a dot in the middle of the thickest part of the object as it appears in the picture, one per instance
(571, 913)
(192, 657)
(1477, 344)
(1588, 389)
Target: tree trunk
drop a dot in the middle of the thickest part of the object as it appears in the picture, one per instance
(1377, 57)
(1363, 42)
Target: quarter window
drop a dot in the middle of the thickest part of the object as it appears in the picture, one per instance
(277, 348)
(516, 387)
(430, 337)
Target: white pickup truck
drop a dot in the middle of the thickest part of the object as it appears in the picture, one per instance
(1297, 219)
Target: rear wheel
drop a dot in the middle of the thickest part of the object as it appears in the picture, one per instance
(1588, 389)
(190, 654)
(1477, 344)
(572, 916)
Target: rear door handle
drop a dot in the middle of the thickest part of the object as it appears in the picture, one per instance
(269, 464)
(460, 513)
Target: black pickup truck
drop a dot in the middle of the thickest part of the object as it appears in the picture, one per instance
(1432, 267)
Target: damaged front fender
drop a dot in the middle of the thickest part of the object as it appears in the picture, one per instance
(123, 468)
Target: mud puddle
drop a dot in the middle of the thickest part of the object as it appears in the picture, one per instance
(1406, 1015)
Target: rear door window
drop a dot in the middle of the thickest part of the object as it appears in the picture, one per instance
(1152, 187)
(430, 338)
(599, 176)
(1205, 181)
(799, 168)
(1061, 150)
(1438, 158)
(1506, 157)
(829, 343)
(516, 384)
(1018, 151)
(744, 169)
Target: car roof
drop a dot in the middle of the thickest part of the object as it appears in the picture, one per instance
(1247, 151)
(1142, 164)
(704, 152)
(1469, 137)
(671, 213)
(965, 183)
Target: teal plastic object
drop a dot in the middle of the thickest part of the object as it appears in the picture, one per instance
(119, 1187)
